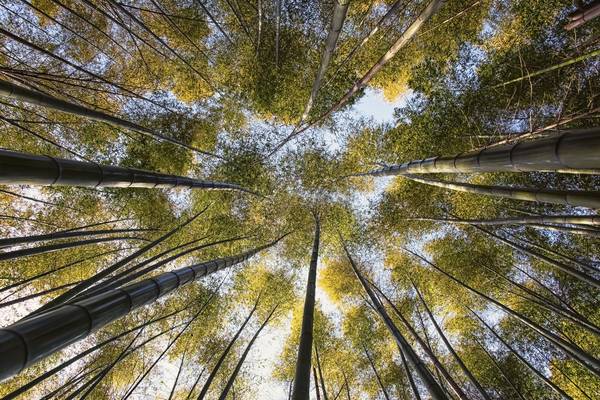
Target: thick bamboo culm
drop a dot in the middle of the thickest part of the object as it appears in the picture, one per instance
(31, 339)
(571, 151)
(29, 169)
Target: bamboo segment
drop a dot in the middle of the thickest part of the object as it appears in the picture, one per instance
(571, 151)
(301, 389)
(30, 169)
(337, 20)
(576, 198)
(593, 220)
(434, 389)
(25, 342)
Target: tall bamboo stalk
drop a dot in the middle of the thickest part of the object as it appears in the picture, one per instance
(28, 341)
(547, 381)
(225, 352)
(435, 391)
(587, 360)
(576, 198)
(17, 92)
(238, 366)
(337, 20)
(593, 220)
(30, 169)
(301, 390)
(457, 358)
(572, 151)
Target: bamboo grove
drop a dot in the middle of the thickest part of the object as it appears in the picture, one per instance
(299, 199)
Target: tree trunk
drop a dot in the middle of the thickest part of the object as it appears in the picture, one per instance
(523, 360)
(577, 151)
(214, 21)
(70, 294)
(428, 350)
(221, 359)
(409, 376)
(129, 275)
(538, 299)
(457, 358)
(301, 389)
(381, 386)
(102, 374)
(558, 265)
(575, 261)
(13, 91)
(29, 169)
(260, 22)
(32, 383)
(238, 366)
(65, 234)
(169, 345)
(316, 378)
(38, 200)
(349, 397)
(277, 30)
(32, 339)
(337, 20)
(177, 377)
(511, 384)
(585, 359)
(593, 220)
(40, 275)
(49, 248)
(320, 373)
(75, 66)
(575, 198)
(388, 15)
(435, 391)
(198, 377)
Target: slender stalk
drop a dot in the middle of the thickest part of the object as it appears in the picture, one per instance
(547, 381)
(425, 346)
(65, 234)
(574, 351)
(238, 366)
(221, 359)
(457, 358)
(499, 368)
(435, 391)
(70, 294)
(567, 269)
(593, 220)
(320, 370)
(49, 248)
(575, 198)
(381, 386)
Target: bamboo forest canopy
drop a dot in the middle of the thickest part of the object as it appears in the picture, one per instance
(198, 200)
